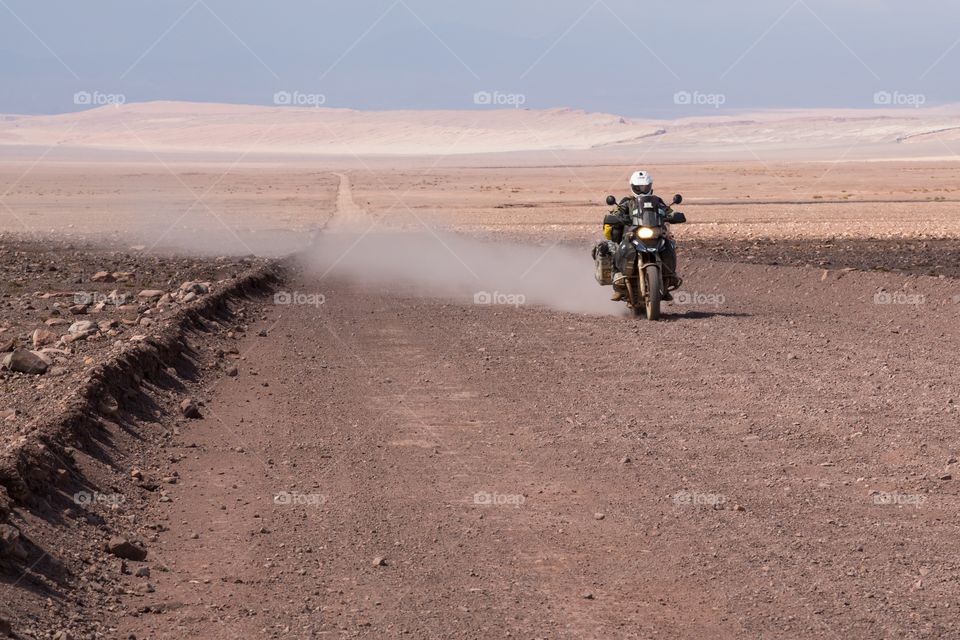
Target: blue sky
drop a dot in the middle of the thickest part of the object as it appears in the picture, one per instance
(619, 56)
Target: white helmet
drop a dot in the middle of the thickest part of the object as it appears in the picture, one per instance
(641, 183)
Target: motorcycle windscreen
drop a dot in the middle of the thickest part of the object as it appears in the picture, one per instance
(647, 213)
(649, 218)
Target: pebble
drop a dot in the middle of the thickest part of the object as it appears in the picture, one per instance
(123, 548)
(25, 361)
(190, 409)
(43, 337)
(83, 327)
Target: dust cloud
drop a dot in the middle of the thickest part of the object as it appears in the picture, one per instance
(443, 264)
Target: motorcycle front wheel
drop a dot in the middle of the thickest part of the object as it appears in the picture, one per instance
(654, 288)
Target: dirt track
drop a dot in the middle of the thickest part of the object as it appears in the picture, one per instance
(775, 459)
(369, 425)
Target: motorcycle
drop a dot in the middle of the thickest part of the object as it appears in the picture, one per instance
(640, 250)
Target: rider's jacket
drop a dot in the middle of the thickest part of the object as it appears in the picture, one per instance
(621, 217)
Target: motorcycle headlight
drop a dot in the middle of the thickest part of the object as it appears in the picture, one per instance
(647, 233)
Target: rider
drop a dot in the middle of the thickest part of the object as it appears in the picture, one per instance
(641, 184)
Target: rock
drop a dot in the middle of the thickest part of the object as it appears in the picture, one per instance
(55, 322)
(190, 297)
(945, 476)
(737, 507)
(379, 562)
(9, 415)
(197, 288)
(43, 337)
(10, 543)
(83, 327)
(63, 634)
(103, 276)
(6, 345)
(625, 460)
(25, 362)
(190, 409)
(599, 516)
(143, 572)
(6, 628)
(123, 276)
(57, 371)
(233, 371)
(586, 595)
(123, 548)
(151, 294)
(79, 309)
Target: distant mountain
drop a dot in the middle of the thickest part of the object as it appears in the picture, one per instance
(203, 127)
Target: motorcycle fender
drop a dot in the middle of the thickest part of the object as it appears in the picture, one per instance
(642, 248)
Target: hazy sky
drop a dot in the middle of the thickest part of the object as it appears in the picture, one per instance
(620, 56)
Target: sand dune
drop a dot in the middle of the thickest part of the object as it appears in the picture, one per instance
(194, 127)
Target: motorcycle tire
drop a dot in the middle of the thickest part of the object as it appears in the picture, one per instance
(654, 288)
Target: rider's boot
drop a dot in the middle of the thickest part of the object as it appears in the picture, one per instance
(669, 283)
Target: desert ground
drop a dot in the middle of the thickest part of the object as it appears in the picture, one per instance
(292, 411)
